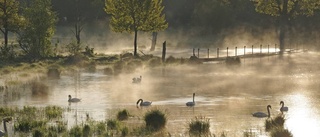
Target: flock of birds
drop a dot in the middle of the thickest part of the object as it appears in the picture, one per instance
(140, 102)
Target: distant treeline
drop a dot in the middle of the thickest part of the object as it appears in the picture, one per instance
(211, 16)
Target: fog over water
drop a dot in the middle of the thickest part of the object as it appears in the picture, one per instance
(227, 95)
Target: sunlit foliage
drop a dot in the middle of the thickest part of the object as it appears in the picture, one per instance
(136, 15)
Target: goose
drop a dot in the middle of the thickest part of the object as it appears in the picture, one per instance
(261, 114)
(137, 79)
(283, 108)
(191, 103)
(5, 132)
(143, 103)
(73, 99)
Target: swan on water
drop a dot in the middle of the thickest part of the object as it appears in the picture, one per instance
(283, 108)
(73, 99)
(143, 103)
(261, 114)
(191, 103)
(137, 79)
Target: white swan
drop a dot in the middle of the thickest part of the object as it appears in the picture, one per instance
(73, 99)
(191, 103)
(137, 80)
(5, 132)
(283, 108)
(261, 114)
(143, 103)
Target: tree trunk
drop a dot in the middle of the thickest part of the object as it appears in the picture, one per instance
(154, 41)
(135, 42)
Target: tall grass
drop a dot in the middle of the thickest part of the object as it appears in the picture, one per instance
(155, 120)
(123, 115)
(199, 126)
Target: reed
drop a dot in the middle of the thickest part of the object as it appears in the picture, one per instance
(123, 115)
(155, 120)
(199, 126)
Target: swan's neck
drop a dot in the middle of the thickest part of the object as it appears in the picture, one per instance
(193, 99)
(5, 126)
(268, 112)
(282, 105)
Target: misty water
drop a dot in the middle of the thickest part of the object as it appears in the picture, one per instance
(226, 95)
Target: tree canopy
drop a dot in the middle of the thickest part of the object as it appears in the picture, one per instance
(286, 10)
(136, 15)
(35, 38)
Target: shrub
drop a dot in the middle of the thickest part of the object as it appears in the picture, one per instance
(112, 124)
(280, 132)
(155, 120)
(199, 126)
(154, 62)
(75, 131)
(123, 115)
(277, 122)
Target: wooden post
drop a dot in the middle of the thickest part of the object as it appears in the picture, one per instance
(236, 50)
(164, 52)
(227, 51)
(193, 53)
(208, 53)
(244, 50)
(260, 49)
(268, 49)
(252, 50)
(198, 52)
(217, 52)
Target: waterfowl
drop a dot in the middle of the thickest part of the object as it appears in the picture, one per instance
(143, 103)
(137, 79)
(73, 99)
(191, 103)
(283, 108)
(261, 114)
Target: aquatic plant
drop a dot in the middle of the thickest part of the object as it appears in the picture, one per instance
(6, 111)
(123, 115)
(199, 126)
(86, 131)
(124, 131)
(155, 120)
(100, 128)
(277, 122)
(112, 124)
(53, 112)
(280, 132)
(75, 131)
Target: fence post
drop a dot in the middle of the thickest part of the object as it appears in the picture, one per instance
(244, 50)
(252, 50)
(268, 49)
(198, 52)
(236, 51)
(227, 51)
(208, 53)
(164, 51)
(261, 49)
(217, 52)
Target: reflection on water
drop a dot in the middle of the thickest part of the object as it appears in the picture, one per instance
(226, 95)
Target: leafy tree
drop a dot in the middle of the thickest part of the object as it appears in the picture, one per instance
(9, 20)
(136, 15)
(35, 38)
(285, 11)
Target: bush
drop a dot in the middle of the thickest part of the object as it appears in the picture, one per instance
(199, 126)
(277, 122)
(123, 115)
(154, 62)
(112, 124)
(155, 120)
(280, 132)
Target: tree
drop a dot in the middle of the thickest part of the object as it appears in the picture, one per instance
(285, 11)
(9, 20)
(35, 38)
(136, 15)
